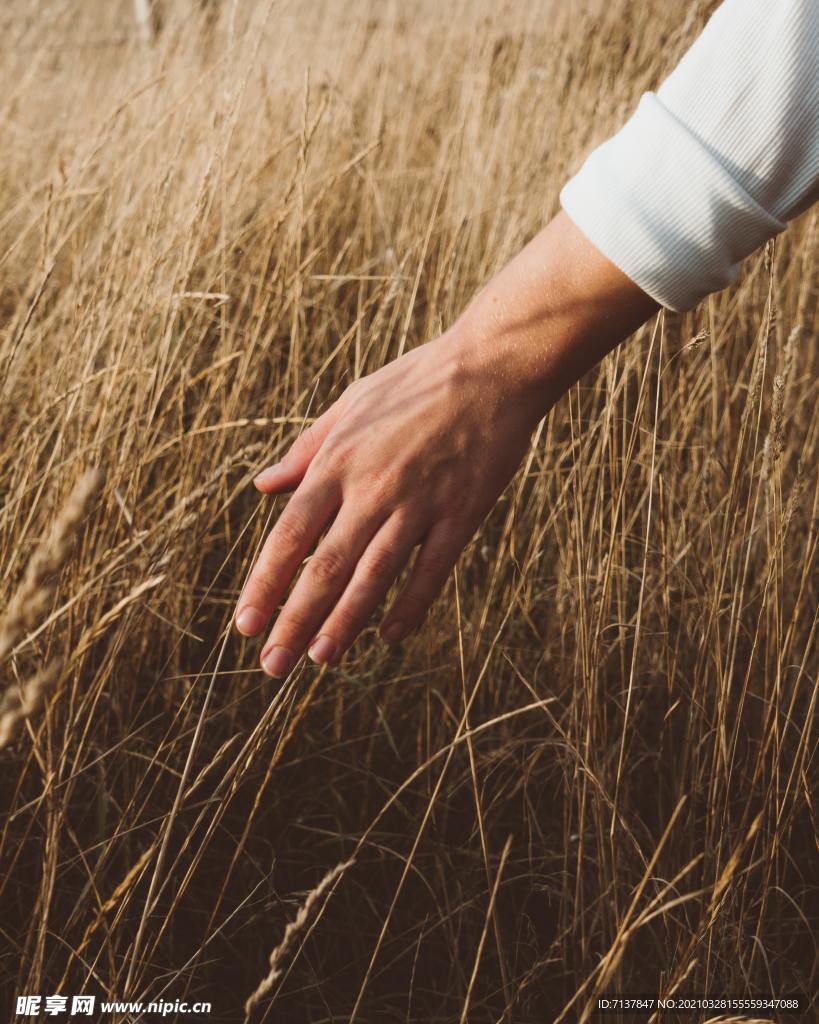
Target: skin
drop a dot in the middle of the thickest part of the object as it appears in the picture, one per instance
(417, 453)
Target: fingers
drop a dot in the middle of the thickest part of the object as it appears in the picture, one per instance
(289, 472)
(433, 564)
(320, 585)
(376, 571)
(288, 543)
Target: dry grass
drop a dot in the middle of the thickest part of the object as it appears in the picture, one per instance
(202, 241)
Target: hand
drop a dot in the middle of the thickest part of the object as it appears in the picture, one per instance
(418, 452)
(414, 454)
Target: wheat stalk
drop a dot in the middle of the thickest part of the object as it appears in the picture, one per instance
(19, 702)
(37, 585)
(36, 589)
(293, 929)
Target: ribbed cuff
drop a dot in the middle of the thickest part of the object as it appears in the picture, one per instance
(664, 210)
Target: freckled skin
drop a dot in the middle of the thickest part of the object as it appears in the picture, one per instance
(417, 453)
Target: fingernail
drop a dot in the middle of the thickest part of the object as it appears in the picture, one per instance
(266, 475)
(393, 633)
(322, 650)
(250, 621)
(277, 662)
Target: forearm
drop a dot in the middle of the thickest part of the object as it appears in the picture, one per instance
(548, 317)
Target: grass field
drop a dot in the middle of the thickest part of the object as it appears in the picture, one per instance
(591, 771)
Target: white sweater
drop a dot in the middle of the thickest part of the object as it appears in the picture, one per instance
(716, 161)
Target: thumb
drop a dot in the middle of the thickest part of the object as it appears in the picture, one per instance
(287, 474)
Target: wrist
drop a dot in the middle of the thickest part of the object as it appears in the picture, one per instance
(547, 317)
(499, 366)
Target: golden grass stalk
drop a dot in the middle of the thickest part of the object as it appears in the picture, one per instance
(305, 913)
(20, 701)
(37, 585)
(738, 1020)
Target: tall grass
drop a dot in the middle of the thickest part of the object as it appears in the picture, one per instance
(591, 770)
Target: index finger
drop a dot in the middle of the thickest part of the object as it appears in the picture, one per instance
(287, 545)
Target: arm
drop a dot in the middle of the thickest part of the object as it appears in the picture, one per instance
(706, 170)
(418, 452)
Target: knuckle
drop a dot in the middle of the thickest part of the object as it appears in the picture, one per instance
(334, 456)
(291, 626)
(407, 518)
(433, 568)
(261, 588)
(413, 606)
(382, 486)
(327, 567)
(345, 624)
(291, 530)
(378, 566)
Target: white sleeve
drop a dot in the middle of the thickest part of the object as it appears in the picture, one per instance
(716, 161)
